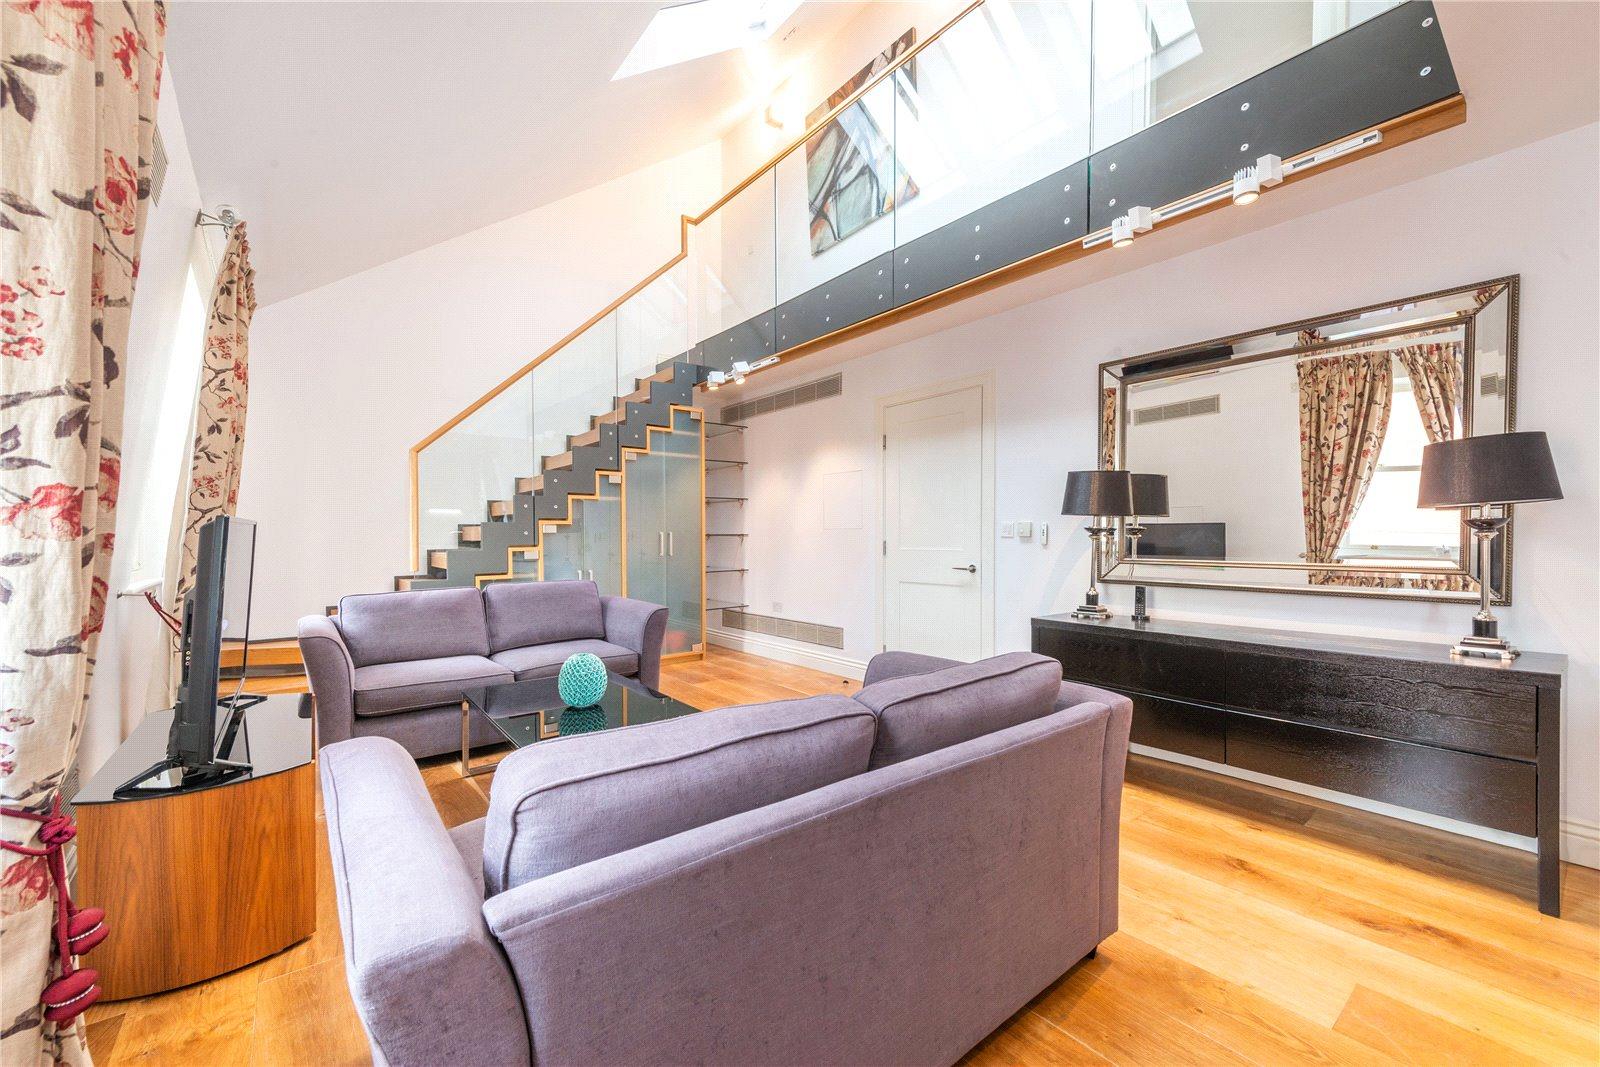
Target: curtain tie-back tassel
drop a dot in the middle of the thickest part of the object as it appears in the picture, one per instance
(77, 929)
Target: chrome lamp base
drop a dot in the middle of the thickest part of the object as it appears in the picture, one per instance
(1485, 641)
(1091, 608)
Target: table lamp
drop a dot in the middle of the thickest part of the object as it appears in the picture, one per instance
(1101, 495)
(1481, 472)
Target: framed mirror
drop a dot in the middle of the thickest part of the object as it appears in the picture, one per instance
(1292, 454)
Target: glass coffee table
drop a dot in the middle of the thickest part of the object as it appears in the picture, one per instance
(524, 713)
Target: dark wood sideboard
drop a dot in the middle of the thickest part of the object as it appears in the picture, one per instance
(1400, 722)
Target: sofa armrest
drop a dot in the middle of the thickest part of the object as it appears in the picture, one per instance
(332, 675)
(1119, 710)
(640, 626)
(426, 975)
(886, 665)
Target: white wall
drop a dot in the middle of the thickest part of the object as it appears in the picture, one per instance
(346, 378)
(131, 665)
(1475, 222)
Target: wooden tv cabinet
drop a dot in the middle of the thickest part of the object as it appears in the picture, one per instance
(195, 884)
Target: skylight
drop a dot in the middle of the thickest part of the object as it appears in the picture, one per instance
(701, 28)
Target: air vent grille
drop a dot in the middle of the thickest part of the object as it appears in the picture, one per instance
(811, 633)
(1493, 384)
(1182, 409)
(158, 169)
(821, 389)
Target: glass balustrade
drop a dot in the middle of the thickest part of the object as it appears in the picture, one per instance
(1020, 128)
(478, 460)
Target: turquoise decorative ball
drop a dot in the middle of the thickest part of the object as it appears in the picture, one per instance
(582, 681)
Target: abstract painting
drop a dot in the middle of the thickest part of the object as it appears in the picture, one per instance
(852, 177)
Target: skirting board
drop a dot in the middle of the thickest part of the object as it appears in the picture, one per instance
(1580, 842)
(785, 652)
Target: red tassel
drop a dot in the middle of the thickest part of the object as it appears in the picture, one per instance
(77, 929)
(70, 995)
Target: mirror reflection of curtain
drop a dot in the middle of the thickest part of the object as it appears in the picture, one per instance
(1344, 413)
(1108, 429)
(1435, 371)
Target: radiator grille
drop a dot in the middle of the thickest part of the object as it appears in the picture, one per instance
(812, 633)
(821, 389)
(1182, 409)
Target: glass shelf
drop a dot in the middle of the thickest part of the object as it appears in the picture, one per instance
(724, 605)
(718, 429)
(719, 464)
(727, 535)
(726, 499)
(727, 570)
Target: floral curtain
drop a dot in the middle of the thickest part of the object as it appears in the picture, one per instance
(1435, 372)
(1344, 413)
(1108, 429)
(224, 392)
(78, 87)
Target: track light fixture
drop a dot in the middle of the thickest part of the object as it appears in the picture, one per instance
(1125, 227)
(1248, 182)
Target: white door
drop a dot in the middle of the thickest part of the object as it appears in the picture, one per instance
(934, 580)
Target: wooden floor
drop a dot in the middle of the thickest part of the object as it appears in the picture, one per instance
(1257, 927)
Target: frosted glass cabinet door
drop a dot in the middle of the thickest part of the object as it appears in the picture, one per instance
(602, 539)
(562, 550)
(683, 509)
(647, 540)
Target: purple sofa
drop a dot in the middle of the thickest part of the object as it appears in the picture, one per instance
(395, 664)
(876, 880)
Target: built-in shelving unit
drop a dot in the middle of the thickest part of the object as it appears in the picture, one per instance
(725, 537)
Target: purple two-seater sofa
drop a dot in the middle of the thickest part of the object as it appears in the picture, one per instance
(395, 664)
(876, 880)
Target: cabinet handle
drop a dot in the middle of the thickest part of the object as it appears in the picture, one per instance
(661, 542)
(672, 549)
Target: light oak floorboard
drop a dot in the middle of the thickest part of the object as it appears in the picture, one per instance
(1256, 927)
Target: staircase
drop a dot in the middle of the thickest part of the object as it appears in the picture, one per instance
(505, 546)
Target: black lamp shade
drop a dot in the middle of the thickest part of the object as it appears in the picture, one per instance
(1098, 493)
(1497, 468)
(1150, 494)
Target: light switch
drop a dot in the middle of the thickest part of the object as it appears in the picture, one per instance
(1008, 529)
(1024, 531)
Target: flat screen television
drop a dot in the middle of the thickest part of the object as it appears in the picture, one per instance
(1182, 540)
(215, 614)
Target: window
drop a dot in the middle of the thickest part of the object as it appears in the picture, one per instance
(1389, 525)
(703, 28)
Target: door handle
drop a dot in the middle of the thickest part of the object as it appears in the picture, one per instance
(971, 568)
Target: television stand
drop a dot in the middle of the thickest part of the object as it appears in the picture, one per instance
(208, 877)
(172, 775)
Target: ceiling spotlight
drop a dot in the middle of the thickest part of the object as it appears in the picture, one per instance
(714, 381)
(1124, 227)
(1246, 186)
(1249, 181)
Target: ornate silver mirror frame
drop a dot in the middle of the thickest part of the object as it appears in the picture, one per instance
(1224, 419)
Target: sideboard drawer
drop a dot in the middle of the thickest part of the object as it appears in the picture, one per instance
(1115, 661)
(1173, 726)
(1474, 713)
(1459, 785)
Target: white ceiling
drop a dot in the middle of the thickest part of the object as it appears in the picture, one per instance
(353, 133)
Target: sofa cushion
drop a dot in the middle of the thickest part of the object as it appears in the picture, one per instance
(393, 627)
(570, 800)
(541, 613)
(544, 661)
(385, 688)
(922, 713)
